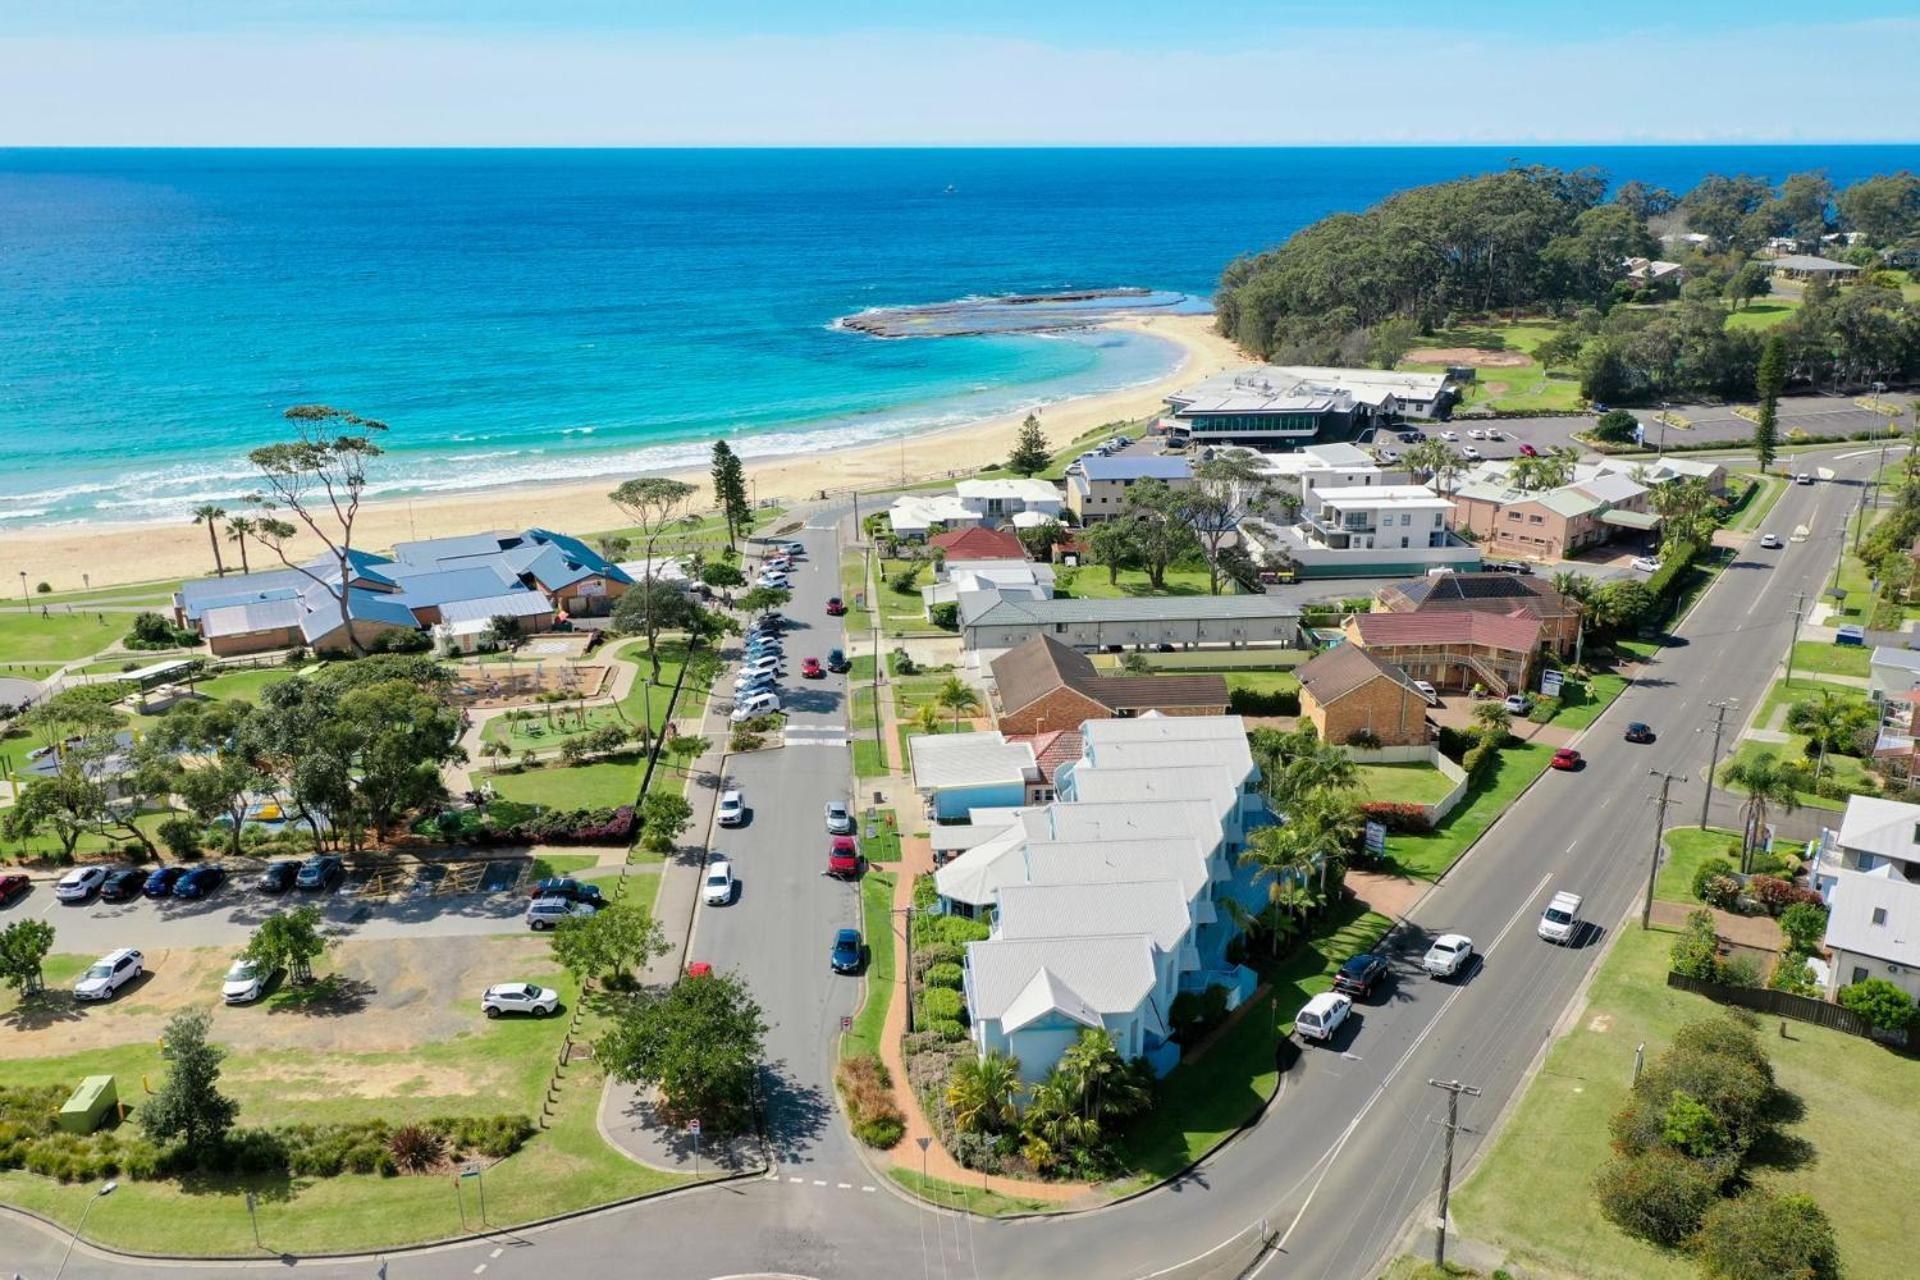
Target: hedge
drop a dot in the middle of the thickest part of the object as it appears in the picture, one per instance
(940, 1003)
(1253, 702)
(944, 974)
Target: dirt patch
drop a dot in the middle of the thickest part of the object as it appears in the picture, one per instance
(1474, 357)
(1600, 1023)
(393, 1080)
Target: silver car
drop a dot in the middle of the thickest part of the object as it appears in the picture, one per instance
(548, 912)
(839, 818)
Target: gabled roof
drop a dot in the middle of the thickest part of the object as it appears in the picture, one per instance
(1210, 782)
(1850, 927)
(1886, 655)
(1502, 593)
(1178, 858)
(1044, 995)
(1157, 908)
(1042, 665)
(1110, 975)
(323, 612)
(943, 760)
(1884, 827)
(1051, 749)
(1516, 632)
(511, 604)
(979, 543)
(443, 586)
(1344, 668)
(1133, 609)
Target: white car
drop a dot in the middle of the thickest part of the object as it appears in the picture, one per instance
(1494, 433)
(1770, 540)
(839, 818)
(1476, 434)
(1645, 564)
(760, 704)
(1470, 453)
(1517, 704)
(1803, 478)
(1428, 692)
(519, 997)
(79, 884)
(732, 810)
(1321, 1016)
(717, 891)
(245, 982)
(793, 548)
(765, 665)
(1449, 954)
(775, 579)
(108, 974)
(1450, 435)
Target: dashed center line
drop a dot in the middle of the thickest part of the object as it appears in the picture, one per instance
(496, 1253)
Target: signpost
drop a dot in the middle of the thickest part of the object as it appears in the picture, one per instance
(480, 1183)
(1376, 838)
(253, 1206)
(1550, 683)
(693, 1127)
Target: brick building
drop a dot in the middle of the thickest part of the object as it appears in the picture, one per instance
(1453, 651)
(1347, 691)
(1042, 685)
(1501, 594)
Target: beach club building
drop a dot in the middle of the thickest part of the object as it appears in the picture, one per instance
(533, 577)
(1103, 910)
(1282, 407)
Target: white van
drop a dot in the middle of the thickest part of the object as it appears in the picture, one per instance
(1560, 922)
(1322, 1016)
(759, 704)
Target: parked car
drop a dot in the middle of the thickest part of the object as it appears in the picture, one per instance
(718, 888)
(1803, 478)
(837, 661)
(775, 579)
(760, 704)
(519, 997)
(1450, 436)
(278, 877)
(793, 548)
(79, 884)
(843, 858)
(245, 982)
(1566, 758)
(757, 686)
(12, 887)
(122, 885)
(732, 809)
(1770, 540)
(546, 913)
(322, 871)
(1470, 453)
(771, 620)
(810, 669)
(700, 969)
(1638, 732)
(836, 606)
(569, 889)
(1517, 704)
(160, 882)
(1850, 634)
(1428, 692)
(1448, 955)
(839, 818)
(1495, 433)
(108, 974)
(1528, 451)
(1361, 975)
(1321, 1016)
(848, 951)
(1476, 434)
(766, 664)
(200, 881)
(1645, 564)
(1560, 922)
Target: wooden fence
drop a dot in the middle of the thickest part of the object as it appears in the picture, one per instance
(1786, 1004)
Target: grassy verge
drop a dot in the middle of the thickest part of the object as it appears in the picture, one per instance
(977, 1200)
(1428, 856)
(560, 864)
(1687, 848)
(1583, 701)
(1214, 659)
(869, 759)
(1822, 657)
(1759, 505)
(880, 835)
(1219, 1088)
(876, 922)
(1532, 1194)
(1847, 771)
(853, 588)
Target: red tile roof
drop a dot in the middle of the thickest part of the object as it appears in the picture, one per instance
(977, 543)
(1516, 632)
(1051, 749)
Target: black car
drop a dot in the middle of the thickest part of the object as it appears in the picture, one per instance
(200, 881)
(322, 871)
(837, 660)
(122, 885)
(571, 890)
(278, 877)
(1637, 732)
(848, 951)
(1360, 976)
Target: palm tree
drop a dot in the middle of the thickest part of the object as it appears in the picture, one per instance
(1321, 767)
(980, 1093)
(1766, 782)
(1054, 1115)
(927, 718)
(209, 515)
(1103, 1081)
(1283, 857)
(494, 750)
(1274, 920)
(1829, 720)
(1574, 586)
(237, 530)
(1494, 719)
(957, 696)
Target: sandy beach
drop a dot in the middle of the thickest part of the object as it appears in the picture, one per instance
(123, 553)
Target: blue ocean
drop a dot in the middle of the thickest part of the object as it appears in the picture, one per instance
(544, 315)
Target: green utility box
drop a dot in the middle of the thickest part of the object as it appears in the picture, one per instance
(89, 1106)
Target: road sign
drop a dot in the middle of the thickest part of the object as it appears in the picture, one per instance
(470, 1172)
(1376, 838)
(846, 1023)
(693, 1126)
(924, 1142)
(1550, 682)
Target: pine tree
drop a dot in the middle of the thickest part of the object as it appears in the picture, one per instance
(1030, 454)
(730, 490)
(1770, 378)
(189, 1106)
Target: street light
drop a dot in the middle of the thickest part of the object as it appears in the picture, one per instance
(106, 1190)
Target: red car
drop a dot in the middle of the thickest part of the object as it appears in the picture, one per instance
(1529, 451)
(1566, 758)
(836, 606)
(843, 858)
(812, 670)
(12, 887)
(700, 969)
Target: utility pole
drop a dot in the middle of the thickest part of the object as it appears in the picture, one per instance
(1799, 608)
(1659, 825)
(1713, 761)
(1453, 1089)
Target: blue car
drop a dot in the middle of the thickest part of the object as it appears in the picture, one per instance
(199, 882)
(848, 951)
(160, 883)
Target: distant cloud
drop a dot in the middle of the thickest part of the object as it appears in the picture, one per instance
(1325, 85)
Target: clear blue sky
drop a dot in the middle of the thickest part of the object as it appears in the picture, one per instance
(744, 72)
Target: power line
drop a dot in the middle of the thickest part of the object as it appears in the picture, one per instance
(1453, 1090)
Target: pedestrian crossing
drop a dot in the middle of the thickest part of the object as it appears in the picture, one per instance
(814, 735)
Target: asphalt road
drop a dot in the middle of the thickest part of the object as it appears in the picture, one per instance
(1344, 1158)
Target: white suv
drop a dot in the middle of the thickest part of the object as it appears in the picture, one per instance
(732, 811)
(108, 974)
(519, 997)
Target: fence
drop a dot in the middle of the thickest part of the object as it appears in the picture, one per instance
(1785, 1004)
(1427, 754)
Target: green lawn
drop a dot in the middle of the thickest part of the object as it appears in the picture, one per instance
(1802, 689)
(28, 670)
(1224, 660)
(869, 759)
(1687, 848)
(1758, 507)
(1827, 658)
(860, 669)
(853, 589)
(1849, 772)
(876, 922)
(1582, 701)
(901, 612)
(1091, 583)
(1428, 856)
(154, 593)
(879, 835)
(971, 1199)
(1763, 314)
(1211, 1094)
(1532, 1193)
(1519, 388)
(1404, 783)
(603, 784)
(60, 636)
(1262, 682)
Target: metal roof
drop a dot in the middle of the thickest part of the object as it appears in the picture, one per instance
(1111, 975)
(943, 760)
(1157, 908)
(1135, 467)
(1856, 896)
(1133, 609)
(511, 604)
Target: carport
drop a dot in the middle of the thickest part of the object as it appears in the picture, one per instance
(1621, 518)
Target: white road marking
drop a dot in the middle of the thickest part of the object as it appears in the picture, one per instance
(796, 1180)
(496, 1253)
(481, 1269)
(844, 1186)
(1570, 847)
(818, 1182)
(869, 1188)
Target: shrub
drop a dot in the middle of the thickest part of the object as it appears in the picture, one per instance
(941, 928)
(1195, 1016)
(944, 975)
(1741, 969)
(945, 616)
(1658, 1195)
(927, 955)
(1760, 1236)
(948, 1029)
(181, 836)
(1805, 925)
(1710, 869)
(1771, 892)
(416, 1148)
(1882, 1004)
(1455, 743)
(1722, 892)
(1733, 1033)
(1615, 426)
(1364, 739)
(1254, 702)
(867, 1090)
(903, 663)
(1690, 1128)
(1790, 974)
(1404, 819)
(408, 641)
(1543, 710)
(938, 1004)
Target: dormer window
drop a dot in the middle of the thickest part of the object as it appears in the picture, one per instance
(1879, 915)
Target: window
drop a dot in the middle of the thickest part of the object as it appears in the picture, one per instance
(1536, 520)
(1879, 915)
(1859, 974)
